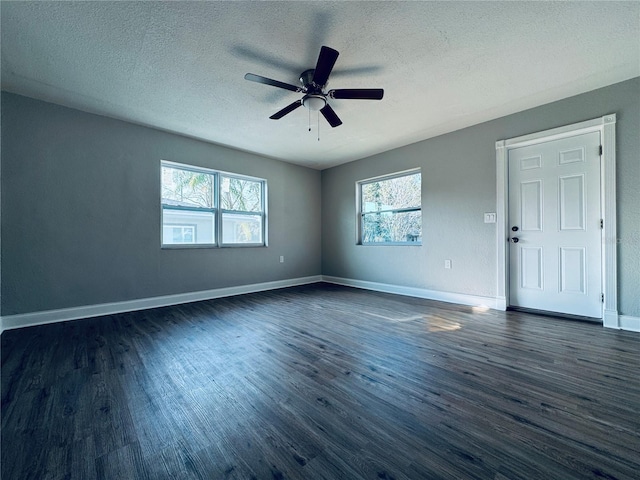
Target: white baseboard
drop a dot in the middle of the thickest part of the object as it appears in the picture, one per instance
(449, 297)
(9, 322)
(611, 319)
(501, 303)
(621, 322)
(627, 322)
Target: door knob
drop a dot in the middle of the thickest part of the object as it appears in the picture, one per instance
(515, 239)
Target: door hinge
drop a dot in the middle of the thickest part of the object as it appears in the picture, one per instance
(600, 150)
(601, 223)
(602, 298)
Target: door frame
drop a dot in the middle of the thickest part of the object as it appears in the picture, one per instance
(606, 125)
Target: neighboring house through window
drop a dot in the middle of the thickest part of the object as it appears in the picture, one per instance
(390, 209)
(181, 233)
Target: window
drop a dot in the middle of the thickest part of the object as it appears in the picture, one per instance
(180, 233)
(202, 207)
(241, 206)
(390, 209)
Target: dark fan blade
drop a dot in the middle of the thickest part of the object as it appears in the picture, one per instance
(331, 116)
(285, 110)
(268, 81)
(326, 61)
(358, 93)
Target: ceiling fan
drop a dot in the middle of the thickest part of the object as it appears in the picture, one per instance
(313, 83)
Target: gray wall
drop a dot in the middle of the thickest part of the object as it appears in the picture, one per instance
(459, 185)
(81, 213)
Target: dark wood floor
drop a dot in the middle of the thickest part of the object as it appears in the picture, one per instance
(320, 382)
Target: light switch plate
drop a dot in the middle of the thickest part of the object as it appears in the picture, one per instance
(490, 217)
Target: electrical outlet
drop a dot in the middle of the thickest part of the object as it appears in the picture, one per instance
(490, 217)
(281, 258)
(447, 264)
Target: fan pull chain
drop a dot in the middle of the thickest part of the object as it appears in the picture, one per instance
(309, 110)
(318, 125)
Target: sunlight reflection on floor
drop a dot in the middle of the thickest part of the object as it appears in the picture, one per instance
(440, 324)
(480, 309)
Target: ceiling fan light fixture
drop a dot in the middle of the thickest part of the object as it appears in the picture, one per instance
(314, 102)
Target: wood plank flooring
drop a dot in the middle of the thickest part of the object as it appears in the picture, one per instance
(320, 382)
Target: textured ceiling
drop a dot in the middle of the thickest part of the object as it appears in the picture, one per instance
(179, 66)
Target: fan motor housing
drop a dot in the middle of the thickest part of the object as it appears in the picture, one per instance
(314, 99)
(306, 79)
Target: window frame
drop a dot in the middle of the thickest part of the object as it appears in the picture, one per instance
(360, 214)
(216, 210)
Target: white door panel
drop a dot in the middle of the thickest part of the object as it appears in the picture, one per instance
(573, 270)
(554, 202)
(531, 268)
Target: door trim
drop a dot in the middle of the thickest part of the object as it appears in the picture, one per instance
(606, 125)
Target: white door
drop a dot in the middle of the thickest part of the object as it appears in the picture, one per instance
(554, 225)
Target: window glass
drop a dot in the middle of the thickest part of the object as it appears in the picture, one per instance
(391, 209)
(240, 194)
(205, 207)
(186, 187)
(241, 228)
(187, 227)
